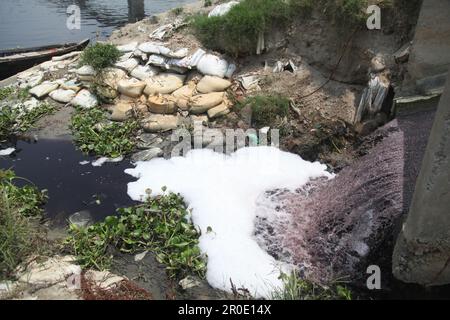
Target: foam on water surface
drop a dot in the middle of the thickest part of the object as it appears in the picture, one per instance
(223, 191)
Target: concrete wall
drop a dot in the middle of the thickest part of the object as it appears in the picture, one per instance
(430, 53)
(422, 252)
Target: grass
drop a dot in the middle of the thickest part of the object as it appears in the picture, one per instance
(19, 237)
(296, 288)
(236, 33)
(100, 56)
(267, 110)
(112, 140)
(177, 11)
(19, 120)
(160, 225)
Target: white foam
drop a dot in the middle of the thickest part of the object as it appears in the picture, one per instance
(7, 152)
(222, 191)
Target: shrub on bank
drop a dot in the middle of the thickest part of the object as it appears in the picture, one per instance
(100, 56)
(19, 236)
(267, 110)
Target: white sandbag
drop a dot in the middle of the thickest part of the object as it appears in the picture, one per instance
(144, 72)
(85, 99)
(128, 65)
(222, 9)
(32, 81)
(193, 60)
(67, 56)
(140, 55)
(130, 47)
(163, 84)
(85, 73)
(212, 65)
(210, 84)
(42, 90)
(62, 96)
(157, 60)
(179, 54)
(131, 87)
(154, 48)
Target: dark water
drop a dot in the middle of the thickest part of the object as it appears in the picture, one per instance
(28, 23)
(55, 165)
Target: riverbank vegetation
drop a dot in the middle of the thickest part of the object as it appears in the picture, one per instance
(268, 110)
(94, 134)
(20, 210)
(160, 225)
(100, 56)
(17, 115)
(296, 288)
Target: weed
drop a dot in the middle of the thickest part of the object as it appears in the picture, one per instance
(207, 3)
(111, 140)
(296, 288)
(100, 56)
(19, 119)
(6, 93)
(267, 110)
(160, 225)
(18, 235)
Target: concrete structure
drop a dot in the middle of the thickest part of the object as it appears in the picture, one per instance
(430, 54)
(422, 252)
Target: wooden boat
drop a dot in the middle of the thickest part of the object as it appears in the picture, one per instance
(13, 61)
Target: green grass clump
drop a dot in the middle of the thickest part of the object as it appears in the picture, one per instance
(19, 237)
(111, 140)
(19, 119)
(296, 288)
(160, 225)
(267, 110)
(237, 32)
(100, 56)
(6, 93)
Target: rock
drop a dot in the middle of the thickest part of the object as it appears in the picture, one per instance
(162, 104)
(147, 155)
(86, 73)
(42, 90)
(148, 141)
(103, 279)
(131, 88)
(204, 102)
(221, 110)
(139, 257)
(163, 84)
(160, 123)
(127, 65)
(144, 72)
(122, 111)
(212, 84)
(189, 283)
(85, 99)
(50, 272)
(62, 96)
(130, 47)
(81, 219)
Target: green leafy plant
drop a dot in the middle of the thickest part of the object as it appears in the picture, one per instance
(18, 235)
(94, 134)
(296, 288)
(19, 119)
(100, 56)
(160, 225)
(6, 93)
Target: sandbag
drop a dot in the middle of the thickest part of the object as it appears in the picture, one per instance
(212, 65)
(160, 123)
(185, 92)
(212, 84)
(86, 73)
(204, 102)
(128, 65)
(163, 84)
(85, 99)
(130, 47)
(112, 76)
(144, 72)
(42, 90)
(162, 104)
(62, 96)
(131, 87)
(121, 111)
(221, 110)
